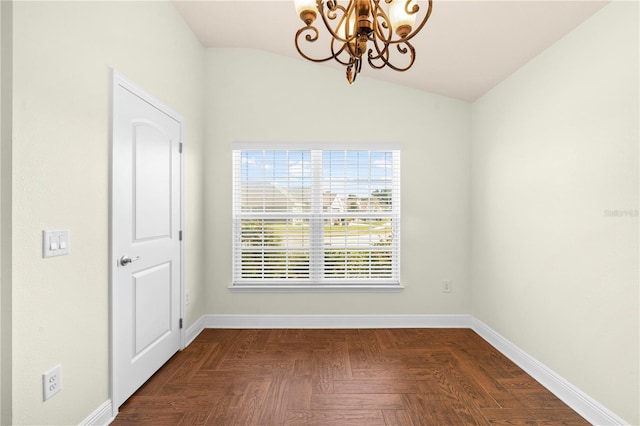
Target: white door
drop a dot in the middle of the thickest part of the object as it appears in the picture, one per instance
(146, 238)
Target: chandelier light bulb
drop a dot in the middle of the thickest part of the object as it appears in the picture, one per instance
(401, 16)
(306, 10)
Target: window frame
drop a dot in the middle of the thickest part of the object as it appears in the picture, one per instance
(317, 281)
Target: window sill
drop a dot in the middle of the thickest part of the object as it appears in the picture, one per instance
(334, 288)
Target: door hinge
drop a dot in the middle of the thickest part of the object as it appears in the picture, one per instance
(180, 323)
(180, 147)
(180, 235)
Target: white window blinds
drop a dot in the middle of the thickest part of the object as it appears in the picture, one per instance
(316, 216)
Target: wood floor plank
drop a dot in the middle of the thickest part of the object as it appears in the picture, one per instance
(193, 418)
(278, 354)
(469, 415)
(148, 418)
(473, 391)
(341, 366)
(192, 360)
(378, 386)
(224, 410)
(426, 411)
(533, 416)
(342, 377)
(334, 418)
(241, 366)
(242, 344)
(302, 367)
(396, 418)
(273, 409)
(215, 356)
(299, 391)
(393, 371)
(260, 340)
(322, 374)
(357, 402)
(248, 409)
(169, 405)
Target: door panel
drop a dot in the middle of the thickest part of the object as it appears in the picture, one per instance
(146, 250)
(152, 212)
(151, 307)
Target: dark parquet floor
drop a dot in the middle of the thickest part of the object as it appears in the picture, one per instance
(343, 377)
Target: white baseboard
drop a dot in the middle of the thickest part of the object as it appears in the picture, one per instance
(337, 321)
(594, 412)
(102, 416)
(193, 331)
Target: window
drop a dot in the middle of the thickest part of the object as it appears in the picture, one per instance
(316, 217)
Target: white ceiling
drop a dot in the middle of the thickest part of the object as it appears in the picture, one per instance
(466, 48)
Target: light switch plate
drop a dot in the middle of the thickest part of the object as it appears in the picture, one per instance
(55, 242)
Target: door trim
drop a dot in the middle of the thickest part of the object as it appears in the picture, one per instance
(120, 80)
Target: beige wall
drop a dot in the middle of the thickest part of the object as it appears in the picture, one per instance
(63, 53)
(2, 108)
(258, 97)
(554, 156)
(5, 210)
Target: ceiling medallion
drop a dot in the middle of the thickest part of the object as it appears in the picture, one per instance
(363, 28)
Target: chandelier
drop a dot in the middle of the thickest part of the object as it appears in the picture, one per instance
(363, 29)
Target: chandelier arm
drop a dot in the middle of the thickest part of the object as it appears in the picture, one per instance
(382, 54)
(336, 55)
(384, 57)
(311, 39)
(382, 24)
(332, 15)
(404, 50)
(408, 11)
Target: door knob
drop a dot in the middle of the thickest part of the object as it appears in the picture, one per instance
(125, 260)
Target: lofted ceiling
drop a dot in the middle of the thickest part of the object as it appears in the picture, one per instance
(466, 48)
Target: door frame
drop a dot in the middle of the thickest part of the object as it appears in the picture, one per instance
(120, 80)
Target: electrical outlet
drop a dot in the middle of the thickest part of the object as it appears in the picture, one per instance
(52, 382)
(447, 286)
(187, 298)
